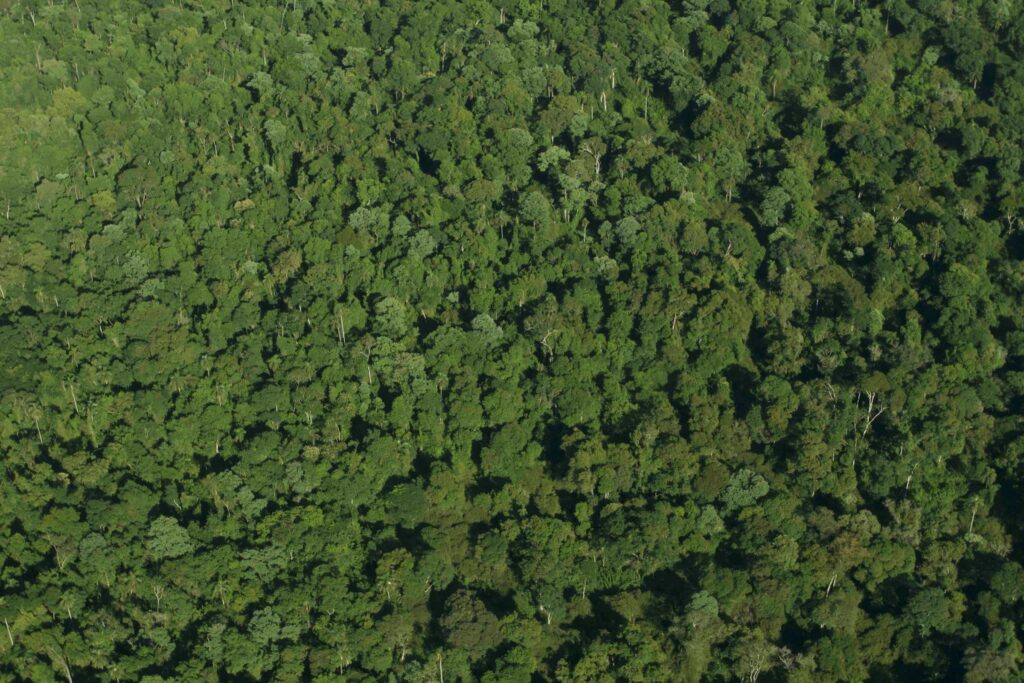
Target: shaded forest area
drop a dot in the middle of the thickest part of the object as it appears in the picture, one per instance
(457, 341)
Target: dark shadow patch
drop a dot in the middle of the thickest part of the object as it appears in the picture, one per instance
(742, 383)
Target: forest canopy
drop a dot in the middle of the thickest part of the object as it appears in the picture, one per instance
(624, 340)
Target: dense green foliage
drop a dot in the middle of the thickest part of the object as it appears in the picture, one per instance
(625, 340)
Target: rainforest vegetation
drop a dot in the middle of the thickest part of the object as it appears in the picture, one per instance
(511, 340)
